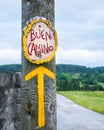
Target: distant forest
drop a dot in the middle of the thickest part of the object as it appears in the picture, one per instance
(72, 77)
(11, 67)
(75, 77)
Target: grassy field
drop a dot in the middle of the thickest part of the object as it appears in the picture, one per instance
(91, 100)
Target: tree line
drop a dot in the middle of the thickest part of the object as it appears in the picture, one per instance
(71, 77)
(11, 67)
(75, 77)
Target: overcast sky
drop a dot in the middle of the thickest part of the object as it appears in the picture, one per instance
(80, 28)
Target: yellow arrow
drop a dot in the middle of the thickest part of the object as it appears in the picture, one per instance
(40, 71)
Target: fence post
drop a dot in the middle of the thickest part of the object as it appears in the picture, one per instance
(38, 84)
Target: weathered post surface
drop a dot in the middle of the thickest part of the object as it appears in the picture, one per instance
(38, 112)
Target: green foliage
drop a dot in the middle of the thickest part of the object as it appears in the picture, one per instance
(101, 78)
(11, 67)
(91, 100)
(74, 77)
(66, 68)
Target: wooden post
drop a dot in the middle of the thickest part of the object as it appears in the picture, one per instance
(30, 113)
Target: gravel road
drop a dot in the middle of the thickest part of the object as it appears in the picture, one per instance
(71, 116)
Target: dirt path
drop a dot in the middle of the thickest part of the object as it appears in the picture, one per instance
(71, 116)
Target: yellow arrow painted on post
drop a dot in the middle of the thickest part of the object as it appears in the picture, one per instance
(40, 71)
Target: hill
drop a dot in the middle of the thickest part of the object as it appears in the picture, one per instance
(11, 67)
(67, 68)
(75, 77)
(72, 77)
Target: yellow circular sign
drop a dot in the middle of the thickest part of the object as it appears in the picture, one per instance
(39, 41)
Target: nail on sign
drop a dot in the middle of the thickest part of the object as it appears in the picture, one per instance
(39, 41)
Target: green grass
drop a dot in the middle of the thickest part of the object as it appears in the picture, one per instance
(91, 100)
(102, 84)
(76, 75)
